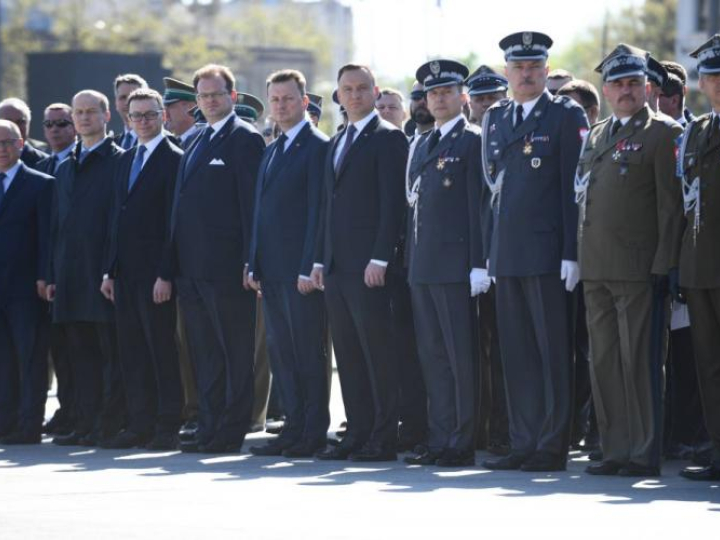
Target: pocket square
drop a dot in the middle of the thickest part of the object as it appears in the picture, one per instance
(217, 161)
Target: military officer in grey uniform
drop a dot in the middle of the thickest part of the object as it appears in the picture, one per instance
(699, 255)
(530, 149)
(628, 240)
(445, 262)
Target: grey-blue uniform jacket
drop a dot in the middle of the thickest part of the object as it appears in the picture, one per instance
(534, 224)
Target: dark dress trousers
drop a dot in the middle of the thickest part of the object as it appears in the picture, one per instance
(210, 230)
(139, 254)
(444, 243)
(287, 206)
(362, 213)
(532, 231)
(24, 219)
(78, 235)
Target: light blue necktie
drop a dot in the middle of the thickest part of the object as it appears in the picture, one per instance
(136, 166)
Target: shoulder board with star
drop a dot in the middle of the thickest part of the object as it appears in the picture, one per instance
(663, 118)
(472, 128)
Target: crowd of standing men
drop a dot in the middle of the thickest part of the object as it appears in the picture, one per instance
(508, 274)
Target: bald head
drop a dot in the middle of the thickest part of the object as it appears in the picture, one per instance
(17, 111)
(11, 145)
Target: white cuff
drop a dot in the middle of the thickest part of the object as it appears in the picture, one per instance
(379, 263)
(304, 278)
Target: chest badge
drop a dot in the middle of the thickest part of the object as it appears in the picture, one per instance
(535, 162)
(447, 182)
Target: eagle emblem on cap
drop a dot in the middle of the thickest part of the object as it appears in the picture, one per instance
(527, 39)
(240, 98)
(435, 68)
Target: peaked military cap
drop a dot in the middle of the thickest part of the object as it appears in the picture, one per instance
(485, 80)
(656, 72)
(176, 90)
(526, 46)
(315, 105)
(441, 73)
(248, 107)
(336, 100)
(623, 61)
(708, 55)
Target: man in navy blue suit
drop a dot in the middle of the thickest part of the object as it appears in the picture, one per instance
(139, 280)
(360, 229)
(24, 213)
(287, 204)
(210, 234)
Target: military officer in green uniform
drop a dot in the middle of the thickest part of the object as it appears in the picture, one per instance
(628, 243)
(699, 255)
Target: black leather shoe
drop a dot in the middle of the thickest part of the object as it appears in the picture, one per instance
(57, 426)
(498, 448)
(20, 437)
(125, 440)
(511, 462)
(426, 458)
(605, 468)
(189, 447)
(373, 452)
(595, 455)
(544, 462)
(220, 446)
(273, 448)
(709, 473)
(304, 449)
(452, 457)
(188, 431)
(72, 439)
(340, 452)
(635, 469)
(163, 441)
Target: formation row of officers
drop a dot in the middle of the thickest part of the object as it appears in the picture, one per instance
(389, 241)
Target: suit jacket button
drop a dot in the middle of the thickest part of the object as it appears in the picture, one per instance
(123, 207)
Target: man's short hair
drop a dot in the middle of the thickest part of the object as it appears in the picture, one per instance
(560, 74)
(673, 86)
(391, 92)
(676, 69)
(356, 67)
(285, 75)
(213, 70)
(20, 105)
(587, 93)
(130, 78)
(58, 107)
(12, 126)
(102, 98)
(145, 94)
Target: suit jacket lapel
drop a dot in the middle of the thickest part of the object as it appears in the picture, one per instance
(607, 142)
(12, 192)
(445, 142)
(216, 141)
(277, 168)
(147, 169)
(530, 123)
(360, 140)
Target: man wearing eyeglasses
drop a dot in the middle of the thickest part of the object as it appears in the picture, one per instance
(24, 200)
(17, 111)
(60, 136)
(139, 281)
(79, 226)
(210, 231)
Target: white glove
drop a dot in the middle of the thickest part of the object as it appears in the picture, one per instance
(479, 281)
(570, 273)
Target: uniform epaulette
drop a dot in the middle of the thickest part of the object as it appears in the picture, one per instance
(474, 128)
(665, 119)
(601, 122)
(499, 104)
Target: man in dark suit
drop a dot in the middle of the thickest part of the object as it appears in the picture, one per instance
(139, 282)
(80, 217)
(362, 213)
(125, 84)
(17, 111)
(530, 150)
(211, 227)
(287, 206)
(445, 263)
(60, 135)
(24, 216)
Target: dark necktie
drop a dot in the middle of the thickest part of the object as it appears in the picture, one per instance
(136, 166)
(349, 137)
(83, 154)
(53, 164)
(278, 155)
(433, 140)
(714, 126)
(518, 115)
(617, 124)
(127, 142)
(3, 176)
(201, 146)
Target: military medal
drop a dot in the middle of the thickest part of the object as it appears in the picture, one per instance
(447, 182)
(527, 149)
(440, 165)
(535, 162)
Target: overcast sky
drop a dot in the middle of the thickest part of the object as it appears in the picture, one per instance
(396, 36)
